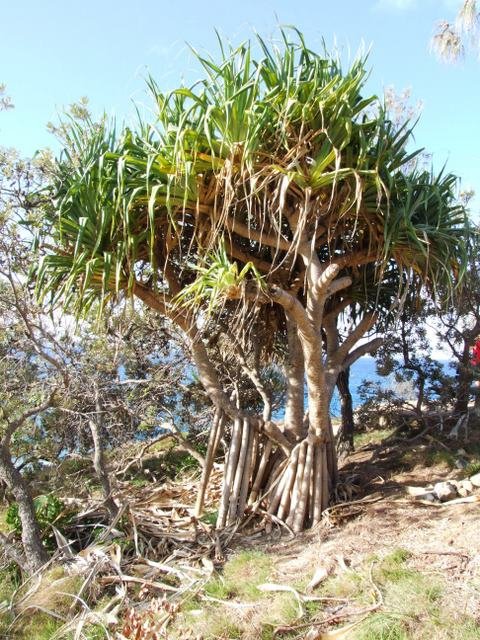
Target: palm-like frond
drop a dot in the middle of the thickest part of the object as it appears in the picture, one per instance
(263, 152)
(217, 281)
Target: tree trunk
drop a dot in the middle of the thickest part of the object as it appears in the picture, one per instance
(101, 468)
(464, 382)
(34, 550)
(287, 472)
(99, 464)
(216, 433)
(295, 484)
(295, 379)
(348, 424)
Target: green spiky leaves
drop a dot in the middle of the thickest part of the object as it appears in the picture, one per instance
(269, 151)
(219, 280)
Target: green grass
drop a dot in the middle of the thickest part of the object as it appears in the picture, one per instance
(241, 576)
(413, 605)
(393, 566)
(238, 581)
(95, 632)
(371, 437)
(37, 625)
(382, 626)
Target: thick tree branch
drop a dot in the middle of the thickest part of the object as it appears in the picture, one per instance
(339, 285)
(362, 350)
(275, 241)
(295, 309)
(325, 280)
(365, 325)
(13, 425)
(157, 302)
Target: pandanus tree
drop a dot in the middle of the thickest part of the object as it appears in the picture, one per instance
(255, 212)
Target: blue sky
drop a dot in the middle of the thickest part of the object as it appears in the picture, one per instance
(53, 52)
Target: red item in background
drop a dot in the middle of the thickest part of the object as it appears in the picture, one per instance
(475, 360)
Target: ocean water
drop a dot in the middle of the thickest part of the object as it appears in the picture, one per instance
(363, 369)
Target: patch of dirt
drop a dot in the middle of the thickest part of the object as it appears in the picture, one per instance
(441, 539)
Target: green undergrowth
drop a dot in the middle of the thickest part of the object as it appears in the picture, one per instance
(412, 604)
(240, 577)
(169, 464)
(232, 606)
(371, 437)
(440, 457)
(39, 614)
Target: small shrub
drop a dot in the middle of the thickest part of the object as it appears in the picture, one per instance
(47, 509)
(472, 468)
(444, 457)
(392, 568)
(382, 626)
(210, 517)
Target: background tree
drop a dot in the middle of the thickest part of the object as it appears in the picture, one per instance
(458, 328)
(451, 41)
(257, 199)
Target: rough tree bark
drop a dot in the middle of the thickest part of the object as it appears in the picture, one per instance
(35, 553)
(99, 464)
(346, 405)
(295, 379)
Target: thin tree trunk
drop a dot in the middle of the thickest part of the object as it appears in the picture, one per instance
(241, 471)
(99, 457)
(215, 435)
(101, 469)
(348, 423)
(464, 382)
(35, 552)
(229, 473)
